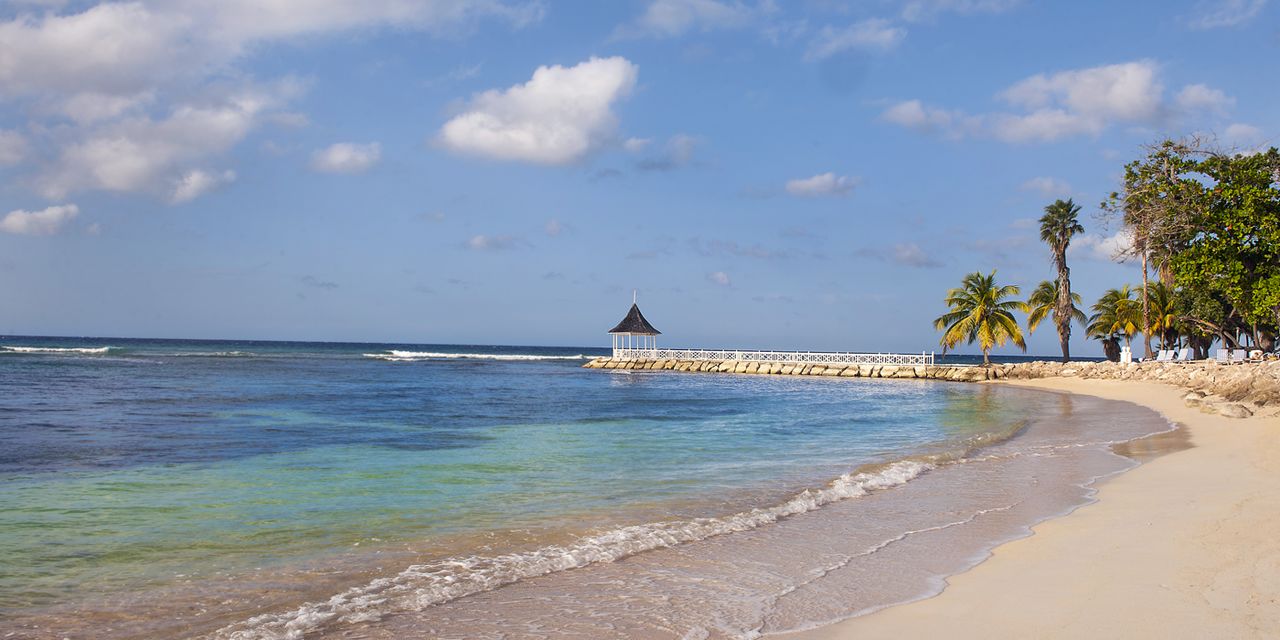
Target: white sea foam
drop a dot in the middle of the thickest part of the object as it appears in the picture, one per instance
(212, 354)
(89, 350)
(409, 356)
(423, 585)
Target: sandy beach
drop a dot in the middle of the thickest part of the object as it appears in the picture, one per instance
(1184, 546)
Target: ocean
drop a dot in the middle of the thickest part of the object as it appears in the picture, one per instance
(239, 489)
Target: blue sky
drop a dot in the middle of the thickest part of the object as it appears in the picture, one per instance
(790, 175)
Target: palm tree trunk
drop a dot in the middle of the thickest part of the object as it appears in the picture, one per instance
(1063, 313)
(986, 357)
(1146, 309)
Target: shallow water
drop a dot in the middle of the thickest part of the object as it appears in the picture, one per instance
(260, 490)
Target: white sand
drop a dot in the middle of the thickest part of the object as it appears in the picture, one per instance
(1185, 546)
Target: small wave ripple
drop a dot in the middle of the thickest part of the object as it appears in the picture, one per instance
(410, 356)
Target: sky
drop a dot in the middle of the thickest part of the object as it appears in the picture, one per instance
(789, 175)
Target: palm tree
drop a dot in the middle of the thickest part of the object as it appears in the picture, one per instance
(1044, 302)
(981, 311)
(1163, 312)
(1057, 225)
(1116, 313)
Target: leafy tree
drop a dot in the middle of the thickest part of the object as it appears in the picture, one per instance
(1058, 224)
(1236, 252)
(1043, 302)
(1116, 315)
(1158, 202)
(982, 312)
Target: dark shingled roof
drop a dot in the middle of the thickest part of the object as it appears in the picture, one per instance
(636, 324)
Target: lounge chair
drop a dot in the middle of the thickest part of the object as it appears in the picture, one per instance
(1239, 355)
(1184, 356)
(1164, 356)
(1222, 356)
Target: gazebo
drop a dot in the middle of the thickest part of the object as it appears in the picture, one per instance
(634, 332)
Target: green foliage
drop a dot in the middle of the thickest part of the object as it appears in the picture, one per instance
(1236, 252)
(1043, 302)
(981, 312)
(1116, 314)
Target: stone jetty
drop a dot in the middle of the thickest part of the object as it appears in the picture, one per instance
(1233, 390)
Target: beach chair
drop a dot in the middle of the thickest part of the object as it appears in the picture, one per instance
(1239, 356)
(1165, 355)
(1222, 356)
(1184, 355)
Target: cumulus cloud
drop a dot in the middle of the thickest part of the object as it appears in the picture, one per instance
(45, 222)
(346, 157)
(1047, 187)
(1239, 135)
(1199, 97)
(719, 277)
(1067, 103)
(874, 34)
(144, 154)
(12, 148)
(557, 117)
(668, 18)
(823, 184)
(142, 80)
(197, 182)
(1112, 248)
(1215, 14)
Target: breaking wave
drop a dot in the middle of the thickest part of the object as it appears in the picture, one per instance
(410, 356)
(423, 585)
(83, 350)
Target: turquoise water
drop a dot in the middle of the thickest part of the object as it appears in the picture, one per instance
(139, 466)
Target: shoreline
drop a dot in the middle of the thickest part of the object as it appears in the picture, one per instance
(1176, 547)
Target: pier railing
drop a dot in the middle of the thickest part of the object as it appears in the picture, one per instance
(786, 357)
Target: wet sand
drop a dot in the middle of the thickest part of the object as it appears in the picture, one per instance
(1184, 546)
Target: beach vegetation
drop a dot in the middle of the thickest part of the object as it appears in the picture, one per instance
(1116, 315)
(1057, 226)
(1206, 222)
(981, 310)
(1043, 303)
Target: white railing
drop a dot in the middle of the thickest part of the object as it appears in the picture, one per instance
(788, 357)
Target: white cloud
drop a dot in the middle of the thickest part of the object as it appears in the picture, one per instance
(1047, 187)
(1214, 14)
(874, 34)
(823, 184)
(346, 157)
(198, 182)
(141, 154)
(1243, 136)
(1064, 104)
(45, 222)
(554, 227)
(1112, 248)
(13, 147)
(919, 10)
(636, 145)
(557, 117)
(668, 18)
(913, 114)
(491, 243)
(911, 255)
(719, 277)
(675, 153)
(1199, 97)
(115, 89)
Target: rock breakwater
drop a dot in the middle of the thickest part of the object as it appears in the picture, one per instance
(1236, 390)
